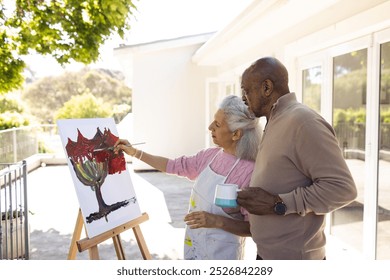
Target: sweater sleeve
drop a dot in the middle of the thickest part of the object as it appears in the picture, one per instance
(190, 166)
(318, 156)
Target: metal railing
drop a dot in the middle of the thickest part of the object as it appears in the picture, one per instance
(17, 144)
(14, 228)
(352, 139)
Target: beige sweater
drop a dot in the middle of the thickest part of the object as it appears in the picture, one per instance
(300, 160)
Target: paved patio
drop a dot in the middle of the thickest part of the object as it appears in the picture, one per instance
(54, 207)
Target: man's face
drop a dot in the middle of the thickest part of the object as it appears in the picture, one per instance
(252, 94)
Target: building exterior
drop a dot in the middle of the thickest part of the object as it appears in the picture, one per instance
(338, 56)
(168, 95)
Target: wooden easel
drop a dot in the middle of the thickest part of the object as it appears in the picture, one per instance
(91, 244)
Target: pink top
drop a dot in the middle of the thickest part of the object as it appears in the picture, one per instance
(191, 166)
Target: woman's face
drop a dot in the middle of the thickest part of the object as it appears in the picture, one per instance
(220, 132)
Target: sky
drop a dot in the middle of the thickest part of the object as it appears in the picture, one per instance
(156, 20)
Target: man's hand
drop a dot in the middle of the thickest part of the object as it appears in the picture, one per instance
(257, 201)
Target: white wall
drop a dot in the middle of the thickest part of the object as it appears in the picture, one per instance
(168, 99)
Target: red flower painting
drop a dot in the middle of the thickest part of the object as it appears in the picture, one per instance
(94, 159)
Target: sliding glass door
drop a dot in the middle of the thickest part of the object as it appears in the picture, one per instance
(311, 87)
(349, 122)
(383, 210)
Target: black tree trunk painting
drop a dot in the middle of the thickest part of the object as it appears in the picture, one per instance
(92, 160)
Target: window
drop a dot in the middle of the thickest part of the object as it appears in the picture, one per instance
(349, 122)
(383, 212)
(311, 87)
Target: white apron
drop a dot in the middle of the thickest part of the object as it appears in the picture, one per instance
(210, 243)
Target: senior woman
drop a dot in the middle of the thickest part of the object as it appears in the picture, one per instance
(213, 232)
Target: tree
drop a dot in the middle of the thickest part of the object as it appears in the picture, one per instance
(8, 102)
(12, 112)
(71, 30)
(53, 92)
(83, 106)
(12, 119)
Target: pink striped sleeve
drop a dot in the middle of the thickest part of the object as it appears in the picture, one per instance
(191, 166)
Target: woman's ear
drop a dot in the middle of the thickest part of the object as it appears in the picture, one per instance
(237, 135)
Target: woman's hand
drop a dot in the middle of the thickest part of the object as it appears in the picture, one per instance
(202, 219)
(124, 145)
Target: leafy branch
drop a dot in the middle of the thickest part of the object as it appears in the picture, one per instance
(71, 30)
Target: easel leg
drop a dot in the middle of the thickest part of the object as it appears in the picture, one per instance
(76, 236)
(141, 243)
(93, 253)
(91, 244)
(118, 247)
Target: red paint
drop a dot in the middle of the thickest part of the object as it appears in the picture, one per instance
(83, 150)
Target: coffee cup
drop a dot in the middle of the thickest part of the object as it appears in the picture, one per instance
(226, 195)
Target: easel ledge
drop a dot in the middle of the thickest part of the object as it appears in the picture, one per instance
(91, 243)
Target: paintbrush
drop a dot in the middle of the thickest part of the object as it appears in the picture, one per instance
(112, 148)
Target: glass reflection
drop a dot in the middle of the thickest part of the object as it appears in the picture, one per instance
(311, 87)
(383, 219)
(349, 121)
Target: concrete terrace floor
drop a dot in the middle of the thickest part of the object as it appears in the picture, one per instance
(54, 207)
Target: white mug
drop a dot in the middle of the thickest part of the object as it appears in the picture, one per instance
(226, 195)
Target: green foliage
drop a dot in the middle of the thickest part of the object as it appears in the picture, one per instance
(385, 115)
(350, 116)
(12, 112)
(350, 62)
(12, 119)
(357, 116)
(312, 97)
(10, 103)
(350, 89)
(83, 106)
(67, 30)
(11, 68)
(120, 111)
(53, 92)
(106, 85)
(42, 147)
(352, 120)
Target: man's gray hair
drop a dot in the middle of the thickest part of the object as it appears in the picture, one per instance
(239, 117)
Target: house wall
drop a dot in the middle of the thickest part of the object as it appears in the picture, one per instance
(168, 98)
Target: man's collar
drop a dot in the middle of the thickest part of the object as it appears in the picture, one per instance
(284, 100)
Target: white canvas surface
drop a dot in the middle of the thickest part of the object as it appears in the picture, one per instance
(117, 187)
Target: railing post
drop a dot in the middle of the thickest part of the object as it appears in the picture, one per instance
(14, 144)
(14, 227)
(26, 223)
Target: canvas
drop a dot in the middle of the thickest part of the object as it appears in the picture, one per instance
(101, 179)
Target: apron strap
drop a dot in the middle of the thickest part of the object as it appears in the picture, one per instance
(234, 165)
(230, 171)
(214, 156)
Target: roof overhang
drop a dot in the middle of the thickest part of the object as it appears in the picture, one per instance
(269, 24)
(165, 43)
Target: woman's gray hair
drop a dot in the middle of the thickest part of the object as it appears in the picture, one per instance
(239, 117)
